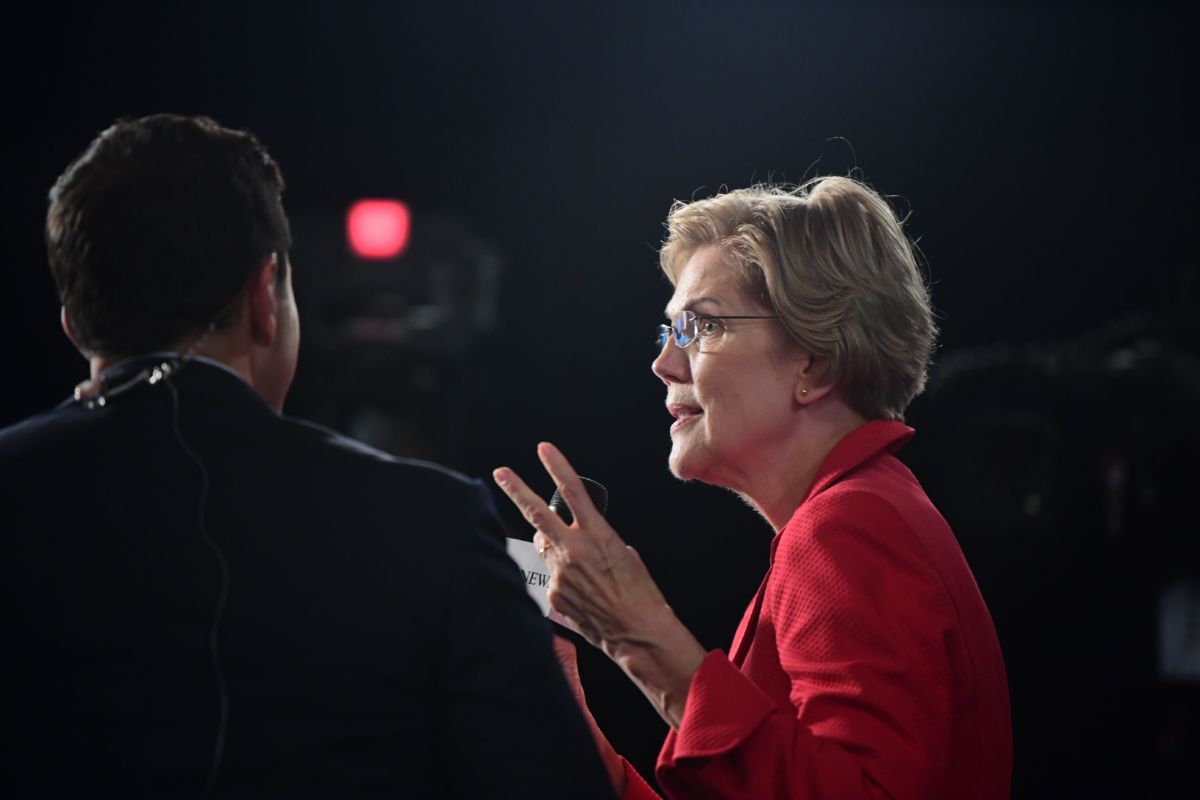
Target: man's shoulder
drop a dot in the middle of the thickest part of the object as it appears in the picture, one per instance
(252, 436)
(316, 441)
(36, 430)
(302, 453)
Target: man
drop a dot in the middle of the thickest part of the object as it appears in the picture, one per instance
(206, 597)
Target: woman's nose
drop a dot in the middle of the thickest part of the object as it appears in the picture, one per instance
(671, 365)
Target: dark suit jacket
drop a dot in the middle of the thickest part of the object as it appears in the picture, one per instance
(377, 640)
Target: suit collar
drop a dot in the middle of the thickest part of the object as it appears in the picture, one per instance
(124, 370)
(198, 375)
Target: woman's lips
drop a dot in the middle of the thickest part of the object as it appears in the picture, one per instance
(679, 423)
(683, 415)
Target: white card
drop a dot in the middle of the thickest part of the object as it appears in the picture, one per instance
(534, 572)
(536, 577)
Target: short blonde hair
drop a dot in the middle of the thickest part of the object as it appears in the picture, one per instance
(831, 259)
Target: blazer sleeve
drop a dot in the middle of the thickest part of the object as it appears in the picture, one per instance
(506, 723)
(862, 623)
(636, 787)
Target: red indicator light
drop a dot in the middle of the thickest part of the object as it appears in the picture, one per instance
(378, 229)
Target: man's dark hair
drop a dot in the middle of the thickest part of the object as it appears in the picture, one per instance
(158, 226)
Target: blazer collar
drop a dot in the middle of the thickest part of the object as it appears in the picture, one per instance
(859, 446)
(865, 442)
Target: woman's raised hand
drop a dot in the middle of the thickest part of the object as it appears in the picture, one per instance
(601, 584)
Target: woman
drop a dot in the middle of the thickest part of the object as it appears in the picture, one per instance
(867, 664)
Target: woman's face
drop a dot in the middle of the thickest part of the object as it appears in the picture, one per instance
(732, 391)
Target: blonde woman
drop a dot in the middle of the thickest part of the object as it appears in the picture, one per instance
(867, 664)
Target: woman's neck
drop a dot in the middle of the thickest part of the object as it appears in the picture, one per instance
(777, 490)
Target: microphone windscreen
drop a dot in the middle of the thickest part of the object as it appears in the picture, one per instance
(595, 490)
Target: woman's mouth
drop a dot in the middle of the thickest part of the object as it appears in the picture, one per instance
(683, 414)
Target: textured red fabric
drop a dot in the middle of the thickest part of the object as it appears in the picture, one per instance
(636, 787)
(867, 665)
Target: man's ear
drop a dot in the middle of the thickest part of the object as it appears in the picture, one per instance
(66, 326)
(810, 381)
(263, 302)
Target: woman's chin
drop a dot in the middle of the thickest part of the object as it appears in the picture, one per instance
(704, 466)
(686, 465)
(677, 463)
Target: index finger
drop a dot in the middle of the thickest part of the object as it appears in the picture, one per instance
(531, 506)
(569, 486)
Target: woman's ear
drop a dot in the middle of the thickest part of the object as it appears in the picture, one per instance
(810, 382)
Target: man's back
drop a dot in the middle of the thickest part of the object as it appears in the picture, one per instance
(371, 638)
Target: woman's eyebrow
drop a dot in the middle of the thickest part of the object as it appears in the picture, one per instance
(692, 304)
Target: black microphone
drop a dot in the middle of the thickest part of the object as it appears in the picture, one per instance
(595, 490)
(599, 496)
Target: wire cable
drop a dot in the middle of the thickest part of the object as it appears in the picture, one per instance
(214, 632)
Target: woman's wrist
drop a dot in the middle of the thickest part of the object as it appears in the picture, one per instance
(661, 661)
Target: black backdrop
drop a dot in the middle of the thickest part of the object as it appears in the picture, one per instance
(1043, 152)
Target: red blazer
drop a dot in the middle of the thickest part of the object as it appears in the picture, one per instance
(867, 665)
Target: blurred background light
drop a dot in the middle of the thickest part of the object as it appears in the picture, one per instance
(378, 229)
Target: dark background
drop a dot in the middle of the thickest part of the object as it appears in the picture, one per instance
(1043, 154)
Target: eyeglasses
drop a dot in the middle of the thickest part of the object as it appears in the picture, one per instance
(687, 327)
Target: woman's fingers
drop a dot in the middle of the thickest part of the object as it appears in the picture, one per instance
(569, 485)
(591, 582)
(532, 507)
(545, 548)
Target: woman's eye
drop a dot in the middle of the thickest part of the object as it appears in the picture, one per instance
(706, 326)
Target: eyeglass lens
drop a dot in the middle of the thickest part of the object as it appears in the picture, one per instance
(682, 329)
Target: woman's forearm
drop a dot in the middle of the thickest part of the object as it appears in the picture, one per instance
(661, 660)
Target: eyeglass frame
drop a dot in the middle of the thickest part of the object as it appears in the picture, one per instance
(672, 332)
